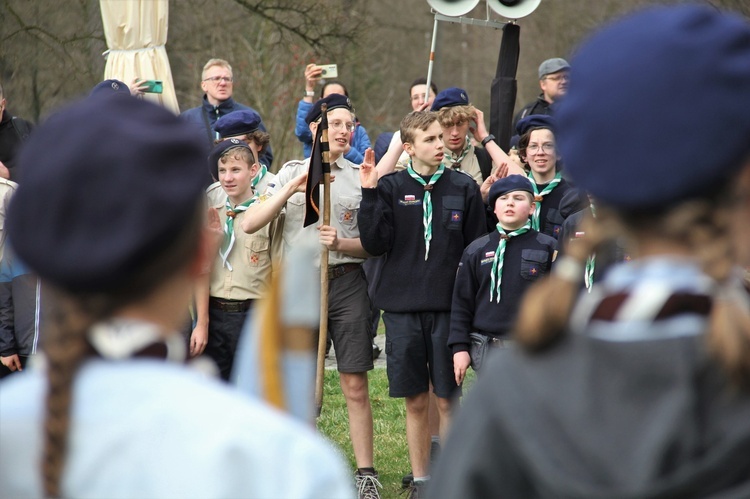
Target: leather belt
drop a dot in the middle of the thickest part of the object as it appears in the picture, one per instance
(235, 306)
(343, 269)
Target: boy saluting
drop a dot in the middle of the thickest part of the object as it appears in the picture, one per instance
(422, 217)
(496, 270)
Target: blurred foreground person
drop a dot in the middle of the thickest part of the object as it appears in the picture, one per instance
(111, 216)
(640, 388)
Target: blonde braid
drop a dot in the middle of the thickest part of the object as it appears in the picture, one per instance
(65, 350)
(729, 323)
(704, 225)
(547, 305)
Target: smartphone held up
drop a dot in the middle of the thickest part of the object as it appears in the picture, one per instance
(328, 71)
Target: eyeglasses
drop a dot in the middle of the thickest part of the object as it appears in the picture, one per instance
(217, 79)
(340, 125)
(558, 77)
(547, 147)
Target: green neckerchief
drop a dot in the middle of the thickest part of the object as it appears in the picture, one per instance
(261, 173)
(588, 276)
(426, 202)
(539, 196)
(229, 238)
(456, 165)
(496, 275)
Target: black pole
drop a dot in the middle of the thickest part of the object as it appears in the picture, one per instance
(504, 87)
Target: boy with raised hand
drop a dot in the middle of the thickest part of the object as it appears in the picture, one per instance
(494, 273)
(423, 218)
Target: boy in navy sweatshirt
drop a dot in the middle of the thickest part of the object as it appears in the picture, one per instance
(496, 270)
(422, 218)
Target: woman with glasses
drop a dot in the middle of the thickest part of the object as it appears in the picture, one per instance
(538, 150)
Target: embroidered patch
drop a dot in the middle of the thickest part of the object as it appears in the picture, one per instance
(534, 270)
(485, 261)
(346, 216)
(456, 216)
(254, 258)
(410, 200)
(489, 254)
(556, 230)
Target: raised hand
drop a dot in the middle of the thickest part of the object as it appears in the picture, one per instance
(368, 176)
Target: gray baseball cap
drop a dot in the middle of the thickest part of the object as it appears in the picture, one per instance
(552, 66)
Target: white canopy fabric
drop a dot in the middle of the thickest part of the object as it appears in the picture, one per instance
(136, 32)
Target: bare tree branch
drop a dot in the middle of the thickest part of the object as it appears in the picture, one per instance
(314, 24)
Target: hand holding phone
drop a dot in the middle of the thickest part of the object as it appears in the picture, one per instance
(152, 86)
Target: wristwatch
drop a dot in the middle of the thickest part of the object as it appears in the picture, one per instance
(309, 93)
(487, 139)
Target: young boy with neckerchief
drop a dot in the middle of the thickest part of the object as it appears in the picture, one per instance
(422, 218)
(495, 271)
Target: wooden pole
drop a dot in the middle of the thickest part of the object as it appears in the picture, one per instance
(323, 329)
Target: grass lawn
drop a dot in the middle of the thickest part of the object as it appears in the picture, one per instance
(389, 425)
(389, 419)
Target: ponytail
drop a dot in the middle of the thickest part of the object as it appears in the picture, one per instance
(546, 308)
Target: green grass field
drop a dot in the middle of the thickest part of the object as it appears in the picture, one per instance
(389, 420)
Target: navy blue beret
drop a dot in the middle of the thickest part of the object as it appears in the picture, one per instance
(237, 123)
(658, 110)
(98, 200)
(333, 101)
(110, 87)
(450, 97)
(509, 184)
(218, 151)
(535, 121)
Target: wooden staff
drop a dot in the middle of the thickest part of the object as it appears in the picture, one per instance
(323, 329)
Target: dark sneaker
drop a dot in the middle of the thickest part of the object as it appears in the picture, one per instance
(367, 485)
(417, 490)
(375, 351)
(407, 480)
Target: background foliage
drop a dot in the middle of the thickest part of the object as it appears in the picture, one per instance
(51, 52)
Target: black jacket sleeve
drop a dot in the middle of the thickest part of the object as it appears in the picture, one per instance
(376, 220)
(463, 305)
(7, 328)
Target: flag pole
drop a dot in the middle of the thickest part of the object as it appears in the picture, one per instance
(432, 59)
(323, 329)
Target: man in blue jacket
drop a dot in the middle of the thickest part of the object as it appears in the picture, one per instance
(217, 83)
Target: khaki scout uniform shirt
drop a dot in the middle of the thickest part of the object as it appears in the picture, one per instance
(217, 196)
(253, 258)
(346, 194)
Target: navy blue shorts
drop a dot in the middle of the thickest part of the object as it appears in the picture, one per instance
(416, 344)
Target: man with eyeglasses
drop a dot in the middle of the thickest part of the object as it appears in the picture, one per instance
(217, 83)
(553, 79)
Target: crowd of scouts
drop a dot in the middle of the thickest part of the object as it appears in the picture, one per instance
(456, 228)
(443, 232)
